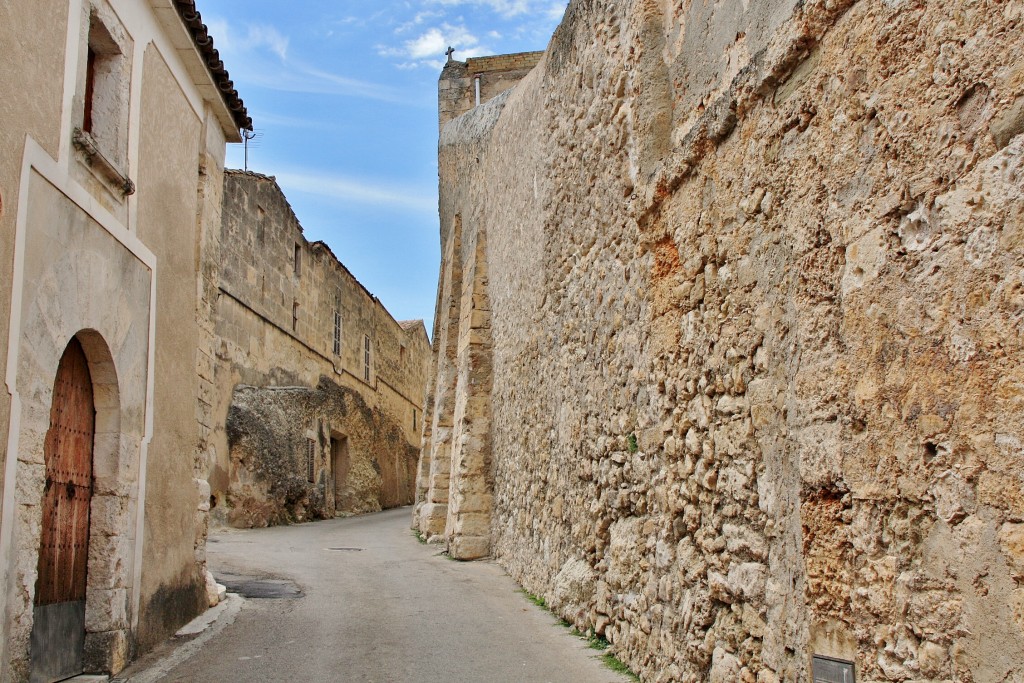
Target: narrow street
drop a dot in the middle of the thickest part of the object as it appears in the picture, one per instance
(359, 599)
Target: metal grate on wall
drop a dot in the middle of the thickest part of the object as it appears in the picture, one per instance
(310, 460)
(828, 670)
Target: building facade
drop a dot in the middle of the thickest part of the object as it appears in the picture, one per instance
(727, 352)
(478, 80)
(319, 390)
(112, 138)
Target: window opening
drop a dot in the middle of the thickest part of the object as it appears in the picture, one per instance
(295, 316)
(102, 132)
(414, 418)
(261, 220)
(298, 260)
(829, 670)
(337, 332)
(310, 460)
(366, 358)
(90, 87)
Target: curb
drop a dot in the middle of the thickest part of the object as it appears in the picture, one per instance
(198, 631)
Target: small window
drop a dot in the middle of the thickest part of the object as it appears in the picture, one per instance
(366, 358)
(295, 316)
(298, 259)
(401, 353)
(90, 89)
(261, 223)
(311, 460)
(101, 133)
(337, 332)
(414, 418)
(829, 670)
(105, 96)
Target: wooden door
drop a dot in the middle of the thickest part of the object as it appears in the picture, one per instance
(58, 631)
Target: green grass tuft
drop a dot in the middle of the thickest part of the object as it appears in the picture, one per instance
(535, 599)
(616, 665)
(419, 536)
(631, 442)
(594, 642)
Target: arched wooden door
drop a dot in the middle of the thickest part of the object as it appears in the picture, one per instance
(58, 632)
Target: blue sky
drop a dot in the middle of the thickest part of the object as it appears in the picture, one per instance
(343, 96)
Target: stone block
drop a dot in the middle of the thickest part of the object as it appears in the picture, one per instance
(107, 651)
(469, 547)
(106, 609)
(473, 524)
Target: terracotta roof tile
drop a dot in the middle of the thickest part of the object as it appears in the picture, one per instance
(204, 43)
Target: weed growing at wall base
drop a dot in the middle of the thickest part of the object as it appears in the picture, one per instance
(594, 642)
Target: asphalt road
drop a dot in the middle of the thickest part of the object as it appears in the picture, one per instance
(361, 600)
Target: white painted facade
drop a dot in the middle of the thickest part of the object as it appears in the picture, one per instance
(83, 267)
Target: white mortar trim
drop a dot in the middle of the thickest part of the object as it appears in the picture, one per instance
(71, 46)
(36, 159)
(145, 28)
(135, 131)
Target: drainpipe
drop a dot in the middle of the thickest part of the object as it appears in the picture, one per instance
(476, 80)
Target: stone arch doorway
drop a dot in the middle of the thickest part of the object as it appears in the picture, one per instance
(81, 441)
(58, 630)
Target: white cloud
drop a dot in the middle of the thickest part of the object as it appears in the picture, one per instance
(259, 56)
(435, 41)
(556, 10)
(421, 40)
(418, 20)
(506, 8)
(428, 48)
(344, 188)
(263, 118)
(256, 36)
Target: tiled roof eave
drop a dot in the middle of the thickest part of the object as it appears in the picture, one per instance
(193, 22)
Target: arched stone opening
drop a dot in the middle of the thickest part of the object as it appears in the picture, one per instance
(112, 513)
(101, 641)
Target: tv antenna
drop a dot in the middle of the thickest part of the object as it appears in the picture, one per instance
(254, 137)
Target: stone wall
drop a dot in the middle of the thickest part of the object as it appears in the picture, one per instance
(275, 323)
(458, 84)
(753, 307)
(270, 434)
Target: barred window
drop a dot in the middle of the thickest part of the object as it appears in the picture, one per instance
(829, 670)
(337, 332)
(366, 358)
(311, 460)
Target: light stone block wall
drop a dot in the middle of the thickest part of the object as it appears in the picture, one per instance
(754, 280)
(457, 85)
(253, 485)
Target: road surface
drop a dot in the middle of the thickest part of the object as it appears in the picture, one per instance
(361, 600)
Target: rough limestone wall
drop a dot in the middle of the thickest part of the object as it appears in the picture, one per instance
(260, 344)
(755, 280)
(268, 429)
